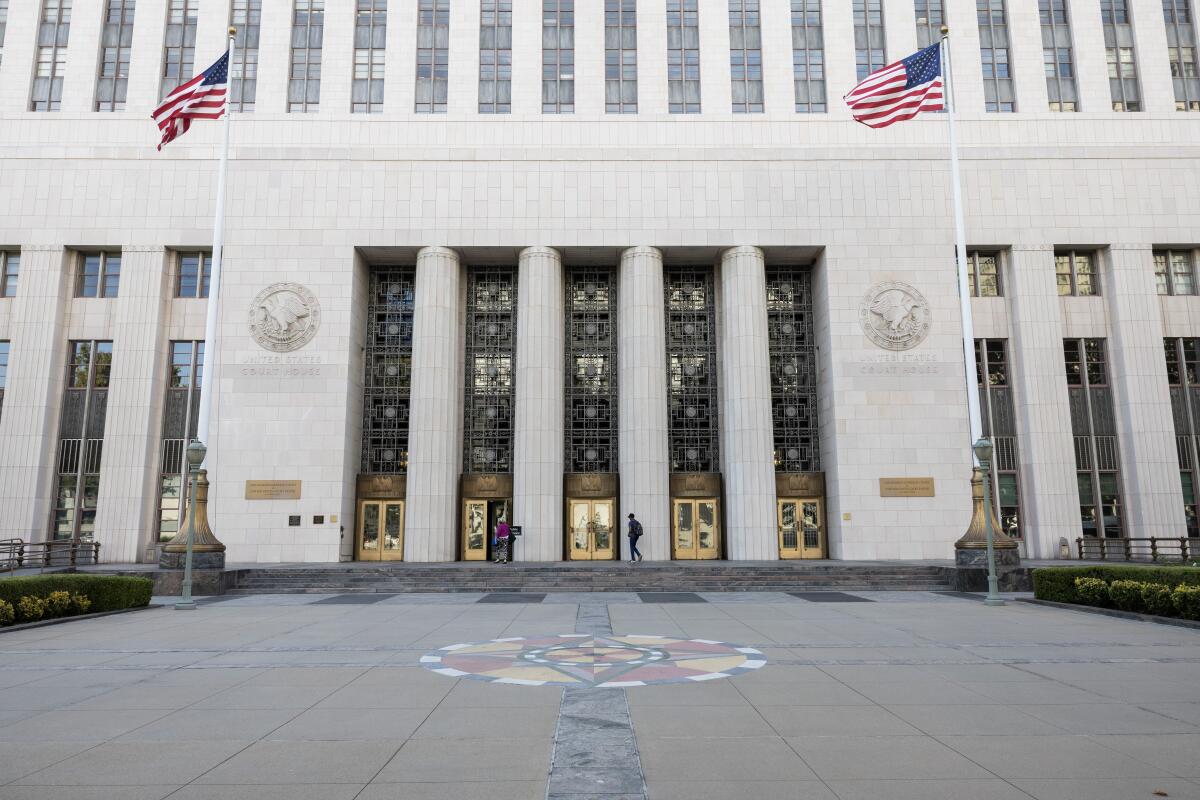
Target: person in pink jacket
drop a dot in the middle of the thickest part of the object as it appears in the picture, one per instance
(503, 543)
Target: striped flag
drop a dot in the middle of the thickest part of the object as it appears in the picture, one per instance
(203, 97)
(901, 90)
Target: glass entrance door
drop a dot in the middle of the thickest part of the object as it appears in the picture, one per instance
(590, 530)
(801, 528)
(695, 533)
(479, 521)
(380, 530)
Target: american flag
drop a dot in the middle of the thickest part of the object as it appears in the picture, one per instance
(203, 97)
(901, 90)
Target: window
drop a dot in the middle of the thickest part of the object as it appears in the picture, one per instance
(246, 16)
(1119, 50)
(495, 56)
(116, 45)
(3, 370)
(194, 273)
(10, 271)
(308, 34)
(558, 56)
(1174, 271)
(54, 30)
(870, 48)
(745, 56)
(99, 275)
(1097, 460)
(930, 17)
(590, 381)
(1181, 52)
(999, 425)
(792, 351)
(179, 50)
(490, 339)
(1056, 55)
(998, 92)
(387, 384)
(81, 439)
(3, 25)
(1183, 377)
(433, 56)
(370, 43)
(693, 430)
(683, 56)
(180, 418)
(620, 56)
(808, 56)
(1076, 273)
(983, 274)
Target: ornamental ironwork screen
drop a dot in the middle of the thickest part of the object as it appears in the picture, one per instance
(387, 382)
(793, 370)
(694, 431)
(488, 401)
(591, 378)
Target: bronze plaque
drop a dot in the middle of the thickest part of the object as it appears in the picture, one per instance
(381, 487)
(487, 486)
(906, 487)
(800, 484)
(696, 484)
(590, 484)
(272, 490)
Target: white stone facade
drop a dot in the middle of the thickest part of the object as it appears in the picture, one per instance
(319, 199)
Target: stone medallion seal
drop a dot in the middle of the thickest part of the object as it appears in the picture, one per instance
(284, 317)
(894, 315)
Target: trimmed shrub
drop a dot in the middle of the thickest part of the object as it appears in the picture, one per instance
(1126, 595)
(58, 604)
(1156, 599)
(8, 614)
(31, 609)
(105, 592)
(1058, 583)
(1092, 591)
(1187, 601)
(80, 604)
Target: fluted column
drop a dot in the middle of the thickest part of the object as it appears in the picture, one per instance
(435, 408)
(642, 382)
(538, 428)
(747, 436)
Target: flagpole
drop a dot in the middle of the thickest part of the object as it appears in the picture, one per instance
(960, 246)
(208, 385)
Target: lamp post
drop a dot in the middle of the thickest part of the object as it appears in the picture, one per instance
(983, 452)
(195, 457)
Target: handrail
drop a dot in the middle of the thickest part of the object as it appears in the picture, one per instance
(18, 554)
(1152, 548)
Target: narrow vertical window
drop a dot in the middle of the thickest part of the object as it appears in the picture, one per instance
(179, 50)
(1119, 50)
(10, 272)
(308, 35)
(115, 46)
(870, 45)
(1076, 273)
(387, 384)
(620, 56)
(194, 270)
(1056, 55)
(930, 18)
(246, 16)
(558, 56)
(3, 372)
(54, 30)
(1181, 51)
(1183, 364)
(683, 56)
(370, 43)
(590, 385)
(1175, 271)
(983, 274)
(745, 56)
(693, 428)
(999, 425)
(181, 407)
(808, 56)
(998, 92)
(793, 354)
(433, 56)
(1093, 423)
(99, 275)
(495, 56)
(490, 338)
(81, 440)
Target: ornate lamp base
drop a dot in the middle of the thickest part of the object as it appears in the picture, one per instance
(207, 550)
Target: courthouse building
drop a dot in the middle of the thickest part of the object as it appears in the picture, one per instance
(557, 261)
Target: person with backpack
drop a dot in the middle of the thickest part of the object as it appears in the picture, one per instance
(635, 533)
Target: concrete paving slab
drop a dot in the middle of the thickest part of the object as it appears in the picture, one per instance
(524, 723)
(1065, 756)
(87, 792)
(316, 791)
(1112, 789)
(724, 790)
(469, 759)
(135, 764)
(1107, 718)
(949, 720)
(891, 757)
(893, 789)
(745, 759)
(75, 724)
(698, 722)
(479, 790)
(211, 724)
(1178, 754)
(835, 721)
(303, 763)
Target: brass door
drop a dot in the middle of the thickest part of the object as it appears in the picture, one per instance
(695, 530)
(479, 521)
(380, 530)
(801, 528)
(590, 534)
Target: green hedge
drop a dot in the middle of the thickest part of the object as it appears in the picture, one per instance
(1058, 583)
(106, 592)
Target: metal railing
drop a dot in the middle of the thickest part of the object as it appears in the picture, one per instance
(18, 554)
(1154, 549)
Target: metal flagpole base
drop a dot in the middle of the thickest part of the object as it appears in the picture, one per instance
(189, 606)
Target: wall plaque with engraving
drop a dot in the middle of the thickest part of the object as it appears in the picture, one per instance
(272, 490)
(906, 487)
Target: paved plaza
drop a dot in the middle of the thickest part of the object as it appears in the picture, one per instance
(861, 696)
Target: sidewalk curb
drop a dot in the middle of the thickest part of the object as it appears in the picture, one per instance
(1112, 612)
(41, 623)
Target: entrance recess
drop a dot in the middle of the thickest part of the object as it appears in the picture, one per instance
(480, 518)
(380, 531)
(591, 530)
(695, 530)
(801, 528)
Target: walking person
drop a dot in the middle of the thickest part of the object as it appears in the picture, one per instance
(503, 543)
(635, 533)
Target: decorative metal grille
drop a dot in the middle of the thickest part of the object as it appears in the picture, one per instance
(387, 382)
(591, 375)
(488, 403)
(692, 371)
(793, 371)
(1093, 423)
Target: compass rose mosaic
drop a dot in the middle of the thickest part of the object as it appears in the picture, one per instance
(581, 659)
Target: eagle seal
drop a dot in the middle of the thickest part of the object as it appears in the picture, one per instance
(284, 317)
(894, 316)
